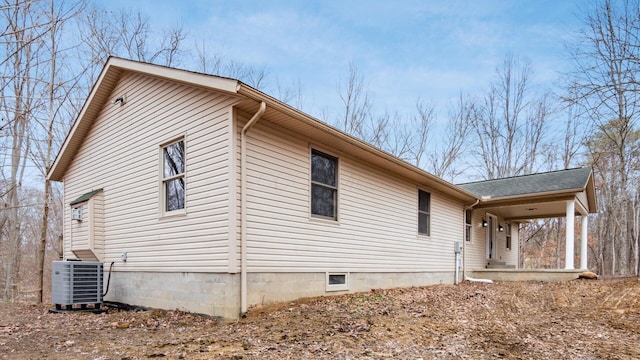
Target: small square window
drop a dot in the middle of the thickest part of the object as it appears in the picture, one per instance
(337, 281)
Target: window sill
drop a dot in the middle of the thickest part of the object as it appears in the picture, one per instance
(324, 220)
(173, 214)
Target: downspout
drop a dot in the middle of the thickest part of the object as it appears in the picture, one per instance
(243, 207)
(464, 250)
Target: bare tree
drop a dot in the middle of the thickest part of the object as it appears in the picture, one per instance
(606, 61)
(128, 34)
(57, 17)
(357, 103)
(511, 122)
(461, 117)
(19, 102)
(291, 94)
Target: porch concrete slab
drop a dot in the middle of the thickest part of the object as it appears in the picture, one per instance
(548, 275)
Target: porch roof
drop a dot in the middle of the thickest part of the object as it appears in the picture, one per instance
(536, 195)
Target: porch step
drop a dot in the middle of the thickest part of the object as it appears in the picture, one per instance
(497, 264)
(503, 266)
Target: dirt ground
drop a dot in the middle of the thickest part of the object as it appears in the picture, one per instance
(581, 319)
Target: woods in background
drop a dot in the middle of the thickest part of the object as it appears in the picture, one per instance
(52, 52)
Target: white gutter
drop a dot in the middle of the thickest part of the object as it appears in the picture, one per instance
(243, 207)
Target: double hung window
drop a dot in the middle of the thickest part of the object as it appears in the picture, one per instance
(173, 179)
(324, 185)
(468, 216)
(424, 213)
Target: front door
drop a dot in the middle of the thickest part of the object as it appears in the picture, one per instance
(492, 223)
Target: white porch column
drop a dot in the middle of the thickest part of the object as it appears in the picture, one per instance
(583, 242)
(568, 259)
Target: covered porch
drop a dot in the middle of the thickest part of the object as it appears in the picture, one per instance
(492, 244)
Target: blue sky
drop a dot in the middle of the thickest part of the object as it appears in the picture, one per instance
(406, 50)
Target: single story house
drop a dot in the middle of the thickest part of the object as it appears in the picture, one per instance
(210, 196)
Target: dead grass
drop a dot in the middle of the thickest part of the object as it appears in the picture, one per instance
(574, 320)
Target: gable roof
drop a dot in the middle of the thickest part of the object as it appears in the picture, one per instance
(249, 100)
(554, 183)
(572, 179)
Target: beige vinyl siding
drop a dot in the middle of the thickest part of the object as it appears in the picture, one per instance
(510, 256)
(501, 250)
(87, 236)
(475, 250)
(80, 229)
(97, 224)
(377, 226)
(121, 154)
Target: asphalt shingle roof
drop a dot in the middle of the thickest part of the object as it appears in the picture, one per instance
(85, 197)
(530, 184)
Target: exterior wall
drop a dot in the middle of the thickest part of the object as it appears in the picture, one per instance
(276, 286)
(97, 225)
(510, 256)
(79, 230)
(475, 250)
(122, 154)
(476, 253)
(219, 295)
(87, 236)
(204, 293)
(377, 225)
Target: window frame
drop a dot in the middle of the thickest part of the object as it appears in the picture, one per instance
(468, 224)
(166, 180)
(337, 287)
(507, 229)
(77, 212)
(333, 188)
(424, 212)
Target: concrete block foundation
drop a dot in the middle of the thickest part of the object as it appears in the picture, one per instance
(215, 294)
(218, 294)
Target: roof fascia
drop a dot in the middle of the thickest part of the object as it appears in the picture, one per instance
(55, 173)
(491, 201)
(218, 83)
(528, 199)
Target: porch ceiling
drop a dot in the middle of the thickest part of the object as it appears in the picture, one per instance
(530, 210)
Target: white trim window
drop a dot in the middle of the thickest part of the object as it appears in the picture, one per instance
(468, 227)
(507, 228)
(173, 176)
(324, 185)
(424, 213)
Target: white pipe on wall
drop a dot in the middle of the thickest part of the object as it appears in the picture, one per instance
(243, 206)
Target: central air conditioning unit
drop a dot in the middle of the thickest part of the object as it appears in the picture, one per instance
(76, 283)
